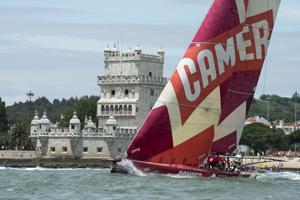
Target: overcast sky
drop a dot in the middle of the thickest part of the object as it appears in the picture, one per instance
(55, 47)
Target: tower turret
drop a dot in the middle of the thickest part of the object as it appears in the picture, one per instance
(45, 122)
(138, 50)
(161, 53)
(111, 124)
(74, 125)
(35, 124)
(107, 52)
(90, 123)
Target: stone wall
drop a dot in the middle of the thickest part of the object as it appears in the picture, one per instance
(95, 147)
(17, 154)
(59, 147)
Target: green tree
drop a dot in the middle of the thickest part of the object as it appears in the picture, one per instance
(87, 107)
(3, 117)
(294, 138)
(67, 115)
(19, 136)
(261, 138)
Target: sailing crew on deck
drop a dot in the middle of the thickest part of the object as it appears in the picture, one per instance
(236, 163)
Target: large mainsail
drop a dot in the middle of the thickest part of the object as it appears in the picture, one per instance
(204, 105)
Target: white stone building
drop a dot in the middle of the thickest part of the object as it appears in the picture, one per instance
(287, 128)
(131, 84)
(257, 119)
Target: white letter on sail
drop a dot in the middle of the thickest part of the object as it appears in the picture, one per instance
(209, 70)
(225, 56)
(243, 45)
(185, 79)
(261, 41)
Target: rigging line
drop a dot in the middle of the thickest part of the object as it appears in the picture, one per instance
(265, 75)
(266, 65)
(189, 106)
(239, 92)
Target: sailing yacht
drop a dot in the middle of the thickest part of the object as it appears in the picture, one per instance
(203, 107)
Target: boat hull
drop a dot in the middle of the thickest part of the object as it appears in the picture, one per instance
(159, 168)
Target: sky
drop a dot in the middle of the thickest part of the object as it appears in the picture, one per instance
(54, 48)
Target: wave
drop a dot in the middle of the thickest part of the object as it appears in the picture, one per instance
(294, 176)
(128, 165)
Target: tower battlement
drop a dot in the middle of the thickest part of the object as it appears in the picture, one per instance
(114, 54)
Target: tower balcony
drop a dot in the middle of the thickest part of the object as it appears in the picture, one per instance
(112, 80)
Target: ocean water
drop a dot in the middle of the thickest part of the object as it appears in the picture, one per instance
(40, 183)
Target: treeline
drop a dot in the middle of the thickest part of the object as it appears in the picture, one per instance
(3, 117)
(86, 105)
(261, 138)
(279, 107)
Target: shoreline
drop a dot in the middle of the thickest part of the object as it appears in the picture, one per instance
(281, 163)
(56, 162)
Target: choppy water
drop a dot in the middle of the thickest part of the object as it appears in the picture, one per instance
(73, 184)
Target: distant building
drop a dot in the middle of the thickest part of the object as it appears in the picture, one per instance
(131, 84)
(257, 119)
(288, 128)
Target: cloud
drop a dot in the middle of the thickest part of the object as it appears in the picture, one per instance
(94, 37)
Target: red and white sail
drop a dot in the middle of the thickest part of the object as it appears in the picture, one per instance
(204, 105)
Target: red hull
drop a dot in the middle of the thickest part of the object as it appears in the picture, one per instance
(148, 167)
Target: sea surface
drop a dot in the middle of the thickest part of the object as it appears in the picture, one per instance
(40, 183)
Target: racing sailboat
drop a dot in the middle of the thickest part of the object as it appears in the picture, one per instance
(203, 107)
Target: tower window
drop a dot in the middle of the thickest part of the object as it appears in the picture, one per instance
(85, 149)
(137, 109)
(72, 127)
(52, 149)
(113, 93)
(130, 109)
(99, 149)
(126, 92)
(107, 110)
(121, 109)
(150, 74)
(64, 149)
(151, 92)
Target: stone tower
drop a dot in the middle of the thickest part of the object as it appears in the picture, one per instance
(131, 84)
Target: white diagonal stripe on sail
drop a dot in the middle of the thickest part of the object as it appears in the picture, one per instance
(204, 116)
(234, 122)
(256, 7)
(240, 4)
